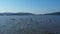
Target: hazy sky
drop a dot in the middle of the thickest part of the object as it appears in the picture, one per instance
(32, 6)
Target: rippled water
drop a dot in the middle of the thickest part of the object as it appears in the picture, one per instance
(43, 24)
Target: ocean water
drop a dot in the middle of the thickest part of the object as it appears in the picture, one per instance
(43, 24)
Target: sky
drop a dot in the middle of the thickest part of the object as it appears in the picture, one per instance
(30, 6)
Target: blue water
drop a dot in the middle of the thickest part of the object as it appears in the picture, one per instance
(43, 23)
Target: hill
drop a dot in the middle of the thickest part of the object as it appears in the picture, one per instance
(56, 13)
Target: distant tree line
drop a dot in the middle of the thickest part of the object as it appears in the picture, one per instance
(16, 14)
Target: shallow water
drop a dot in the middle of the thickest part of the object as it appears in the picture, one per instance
(30, 24)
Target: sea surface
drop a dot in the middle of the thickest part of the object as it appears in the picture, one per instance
(30, 24)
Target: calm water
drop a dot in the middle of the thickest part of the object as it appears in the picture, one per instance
(25, 24)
